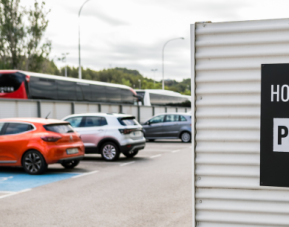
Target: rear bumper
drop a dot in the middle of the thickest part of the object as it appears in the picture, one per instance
(58, 153)
(132, 147)
(71, 158)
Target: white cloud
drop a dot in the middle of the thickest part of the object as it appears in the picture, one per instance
(131, 33)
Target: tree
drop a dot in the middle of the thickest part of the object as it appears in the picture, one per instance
(127, 77)
(21, 33)
(125, 82)
(36, 52)
(49, 67)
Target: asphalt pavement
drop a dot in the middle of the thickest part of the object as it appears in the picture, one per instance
(152, 189)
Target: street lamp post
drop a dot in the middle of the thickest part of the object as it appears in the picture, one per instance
(164, 57)
(139, 83)
(79, 69)
(154, 70)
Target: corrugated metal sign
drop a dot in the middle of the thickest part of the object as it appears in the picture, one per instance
(274, 125)
(226, 72)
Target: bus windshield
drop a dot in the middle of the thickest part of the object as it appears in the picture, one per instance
(10, 82)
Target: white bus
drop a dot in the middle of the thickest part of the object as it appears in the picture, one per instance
(151, 97)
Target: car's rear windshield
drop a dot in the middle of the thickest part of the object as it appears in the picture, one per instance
(59, 128)
(127, 121)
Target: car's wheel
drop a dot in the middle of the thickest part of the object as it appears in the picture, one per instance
(186, 137)
(151, 140)
(131, 154)
(70, 164)
(109, 151)
(33, 162)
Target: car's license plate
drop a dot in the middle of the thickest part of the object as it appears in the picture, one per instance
(137, 133)
(72, 151)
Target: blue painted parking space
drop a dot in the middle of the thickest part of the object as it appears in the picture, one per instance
(15, 182)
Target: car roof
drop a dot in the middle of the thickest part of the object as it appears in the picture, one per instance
(100, 114)
(178, 113)
(33, 120)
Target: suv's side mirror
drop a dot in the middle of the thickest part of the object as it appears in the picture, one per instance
(148, 123)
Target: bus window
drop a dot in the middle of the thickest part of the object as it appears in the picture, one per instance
(83, 92)
(127, 96)
(157, 99)
(42, 88)
(141, 93)
(66, 90)
(113, 94)
(98, 93)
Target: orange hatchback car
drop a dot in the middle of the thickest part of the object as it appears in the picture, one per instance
(33, 143)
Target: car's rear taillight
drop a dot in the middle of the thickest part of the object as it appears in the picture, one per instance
(28, 78)
(50, 138)
(126, 131)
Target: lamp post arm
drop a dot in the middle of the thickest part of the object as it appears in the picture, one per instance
(163, 58)
(82, 7)
(169, 41)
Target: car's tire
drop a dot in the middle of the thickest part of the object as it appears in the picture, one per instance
(131, 154)
(186, 137)
(109, 151)
(70, 164)
(151, 140)
(33, 162)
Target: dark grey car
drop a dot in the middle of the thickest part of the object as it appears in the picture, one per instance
(168, 126)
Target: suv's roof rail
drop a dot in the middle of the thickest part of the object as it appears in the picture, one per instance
(114, 113)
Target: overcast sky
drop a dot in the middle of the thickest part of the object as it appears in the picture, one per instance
(131, 34)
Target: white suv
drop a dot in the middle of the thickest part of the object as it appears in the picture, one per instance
(108, 134)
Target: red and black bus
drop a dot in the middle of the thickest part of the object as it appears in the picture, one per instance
(17, 84)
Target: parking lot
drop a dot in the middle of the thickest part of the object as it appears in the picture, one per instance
(152, 189)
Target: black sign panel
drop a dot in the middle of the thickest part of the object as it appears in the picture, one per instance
(274, 145)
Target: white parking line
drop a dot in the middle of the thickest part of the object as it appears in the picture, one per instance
(155, 156)
(85, 174)
(5, 178)
(14, 193)
(124, 164)
(175, 151)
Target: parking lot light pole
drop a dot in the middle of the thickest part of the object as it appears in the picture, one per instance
(79, 69)
(164, 57)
